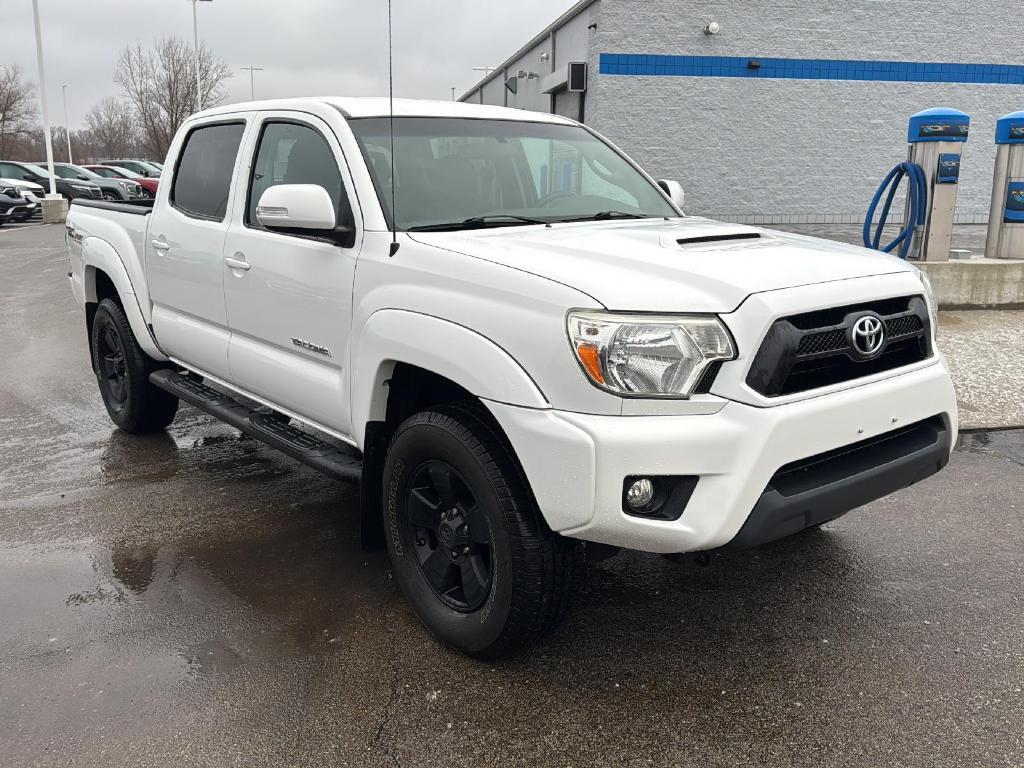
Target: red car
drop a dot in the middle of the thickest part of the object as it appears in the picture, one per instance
(147, 183)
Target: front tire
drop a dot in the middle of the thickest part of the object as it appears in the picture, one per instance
(122, 372)
(470, 548)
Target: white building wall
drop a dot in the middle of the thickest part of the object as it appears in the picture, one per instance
(778, 150)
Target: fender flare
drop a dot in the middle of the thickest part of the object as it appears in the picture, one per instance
(99, 255)
(458, 353)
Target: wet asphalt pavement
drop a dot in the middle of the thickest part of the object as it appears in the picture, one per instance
(196, 599)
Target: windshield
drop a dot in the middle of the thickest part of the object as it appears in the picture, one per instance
(457, 173)
(37, 170)
(114, 172)
(85, 173)
(68, 172)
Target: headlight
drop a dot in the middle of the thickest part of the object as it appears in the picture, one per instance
(124, 185)
(647, 355)
(931, 300)
(9, 191)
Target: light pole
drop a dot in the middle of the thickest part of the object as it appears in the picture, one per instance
(67, 125)
(252, 81)
(195, 41)
(46, 112)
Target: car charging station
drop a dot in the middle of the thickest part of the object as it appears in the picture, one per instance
(1005, 238)
(934, 138)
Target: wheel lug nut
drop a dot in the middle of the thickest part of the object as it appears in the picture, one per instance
(420, 542)
(455, 555)
(465, 550)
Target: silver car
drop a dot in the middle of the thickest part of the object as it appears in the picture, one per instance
(113, 189)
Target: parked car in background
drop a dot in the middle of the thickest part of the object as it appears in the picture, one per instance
(13, 206)
(68, 188)
(149, 185)
(31, 191)
(113, 189)
(141, 167)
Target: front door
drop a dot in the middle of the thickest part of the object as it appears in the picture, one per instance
(185, 249)
(289, 295)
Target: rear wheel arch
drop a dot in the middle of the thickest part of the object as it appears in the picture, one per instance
(98, 286)
(104, 276)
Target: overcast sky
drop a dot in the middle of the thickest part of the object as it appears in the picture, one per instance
(306, 47)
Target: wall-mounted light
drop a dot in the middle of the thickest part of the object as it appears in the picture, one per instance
(544, 56)
(713, 28)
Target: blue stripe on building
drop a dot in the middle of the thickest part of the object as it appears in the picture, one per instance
(808, 69)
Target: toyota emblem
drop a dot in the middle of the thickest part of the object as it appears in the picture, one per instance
(867, 336)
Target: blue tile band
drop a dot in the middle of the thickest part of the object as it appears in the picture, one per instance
(808, 69)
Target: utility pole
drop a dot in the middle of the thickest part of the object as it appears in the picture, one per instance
(67, 125)
(59, 208)
(195, 40)
(486, 70)
(252, 81)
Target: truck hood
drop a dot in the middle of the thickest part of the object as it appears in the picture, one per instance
(681, 265)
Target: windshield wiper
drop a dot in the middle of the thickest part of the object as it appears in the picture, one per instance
(477, 222)
(606, 215)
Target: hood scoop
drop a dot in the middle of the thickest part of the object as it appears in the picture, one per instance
(708, 234)
(720, 238)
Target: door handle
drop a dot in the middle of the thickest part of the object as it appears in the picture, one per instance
(160, 245)
(237, 263)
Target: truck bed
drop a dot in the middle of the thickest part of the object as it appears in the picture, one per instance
(136, 207)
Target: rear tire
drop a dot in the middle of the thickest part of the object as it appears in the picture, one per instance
(470, 548)
(122, 372)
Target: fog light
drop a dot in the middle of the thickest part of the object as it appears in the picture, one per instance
(640, 493)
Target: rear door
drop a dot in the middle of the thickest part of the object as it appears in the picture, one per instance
(289, 295)
(185, 248)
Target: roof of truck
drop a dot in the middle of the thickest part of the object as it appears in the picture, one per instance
(379, 107)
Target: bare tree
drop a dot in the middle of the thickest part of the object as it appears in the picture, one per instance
(112, 129)
(160, 83)
(17, 107)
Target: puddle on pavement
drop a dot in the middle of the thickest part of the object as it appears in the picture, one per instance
(1005, 443)
(186, 610)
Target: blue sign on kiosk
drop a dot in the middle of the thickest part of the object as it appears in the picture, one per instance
(1010, 129)
(1014, 212)
(938, 124)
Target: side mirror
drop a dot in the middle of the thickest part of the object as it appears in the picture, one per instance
(674, 190)
(296, 206)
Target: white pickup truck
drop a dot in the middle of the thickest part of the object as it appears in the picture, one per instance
(513, 337)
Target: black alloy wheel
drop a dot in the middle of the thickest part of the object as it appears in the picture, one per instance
(113, 371)
(470, 549)
(449, 536)
(122, 372)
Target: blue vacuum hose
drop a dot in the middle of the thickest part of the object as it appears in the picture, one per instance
(917, 192)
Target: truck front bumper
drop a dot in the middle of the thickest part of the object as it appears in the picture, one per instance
(761, 473)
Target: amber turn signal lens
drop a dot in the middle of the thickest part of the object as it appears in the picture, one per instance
(590, 356)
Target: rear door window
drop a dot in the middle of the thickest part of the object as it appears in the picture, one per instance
(202, 182)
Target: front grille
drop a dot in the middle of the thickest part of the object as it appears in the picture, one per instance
(815, 349)
(827, 341)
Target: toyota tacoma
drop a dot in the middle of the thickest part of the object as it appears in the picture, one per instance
(513, 338)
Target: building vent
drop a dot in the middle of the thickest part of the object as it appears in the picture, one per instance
(577, 76)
